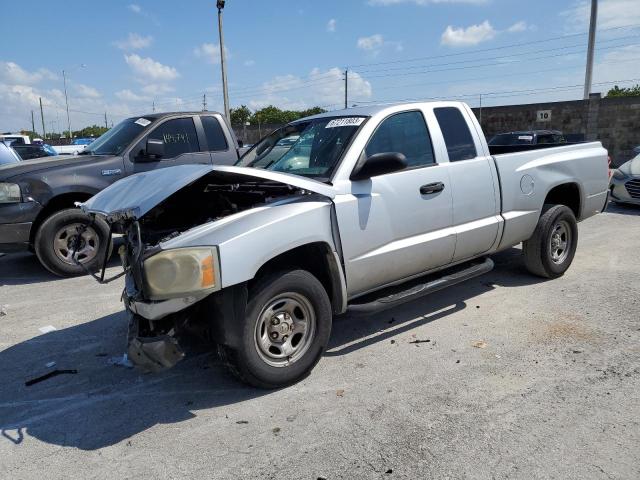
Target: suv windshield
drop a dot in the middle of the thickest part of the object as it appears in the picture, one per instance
(309, 148)
(118, 138)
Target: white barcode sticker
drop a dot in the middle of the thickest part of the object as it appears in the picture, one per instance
(525, 137)
(143, 121)
(345, 122)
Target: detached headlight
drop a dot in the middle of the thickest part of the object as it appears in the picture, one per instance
(10, 193)
(183, 271)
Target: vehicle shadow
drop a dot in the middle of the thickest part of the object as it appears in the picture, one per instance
(623, 208)
(24, 268)
(104, 404)
(353, 331)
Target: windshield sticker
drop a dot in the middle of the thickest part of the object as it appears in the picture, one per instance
(142, 121)
(525, 137)
(345, 122)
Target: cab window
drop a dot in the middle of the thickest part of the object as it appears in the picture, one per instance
(457, 137)
(404, 133)
(179, 136)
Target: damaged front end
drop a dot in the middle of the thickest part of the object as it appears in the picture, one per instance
(164, 284)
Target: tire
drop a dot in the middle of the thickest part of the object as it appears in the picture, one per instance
(55, 237)
(543, 252)
(286, 297)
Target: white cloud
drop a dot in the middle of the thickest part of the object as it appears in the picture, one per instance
(134, 42)
(84, 91)
(331, 25)
(611, 14)
(319, 88)
(520, 26)
(249, 63)
(134, 8)
(466, 37)
(211, 52)
(371, 43)
(148, 69)
(13, 73)
(386, 3)
(128, 96)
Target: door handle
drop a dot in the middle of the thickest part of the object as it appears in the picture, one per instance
(431, 188)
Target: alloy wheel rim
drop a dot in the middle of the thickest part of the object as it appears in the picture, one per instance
(285, 329)
(65, 239)
(560, 242)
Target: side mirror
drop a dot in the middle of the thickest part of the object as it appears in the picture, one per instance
(378, 164)
(155, 148)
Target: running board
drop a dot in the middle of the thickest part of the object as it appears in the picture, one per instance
(416, 290)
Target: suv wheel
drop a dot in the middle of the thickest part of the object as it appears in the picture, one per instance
(550, 250)
(56, 239)
(286, 330)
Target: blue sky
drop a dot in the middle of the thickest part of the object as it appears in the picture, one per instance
(292, 54)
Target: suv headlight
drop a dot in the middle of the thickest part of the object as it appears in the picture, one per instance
(182, 271)
(10, 193)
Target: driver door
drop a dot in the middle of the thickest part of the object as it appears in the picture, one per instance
(397, 225)
(181, 146)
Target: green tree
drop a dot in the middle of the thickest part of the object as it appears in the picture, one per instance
(624, 92)
(240, 115)
(31, 134)
(273, 115)
(92, 131)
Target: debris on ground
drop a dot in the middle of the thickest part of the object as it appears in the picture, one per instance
(340, 393)
(577, 351)
(479, 344)
(3, 310)
(276, 430)
(47, 329)
(393, 341)
(120, 361)
(498, 356)
(50, 364)
(46, 376)
(427, 340)
(242, 422)
(389, 470)
(457, 361)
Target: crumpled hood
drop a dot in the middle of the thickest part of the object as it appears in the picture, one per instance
(632, 167)
(137, 194)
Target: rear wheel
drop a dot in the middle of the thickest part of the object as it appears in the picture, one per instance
(550, 250)
(56, 240)
(286, 330)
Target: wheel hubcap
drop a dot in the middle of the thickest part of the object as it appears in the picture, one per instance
(560, 242)
(64, 243)
(285, 329)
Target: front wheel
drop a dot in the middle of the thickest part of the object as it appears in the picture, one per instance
(286, 330)
(550, 250)
(55, 242)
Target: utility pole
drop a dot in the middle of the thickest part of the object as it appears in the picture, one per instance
(346, 88)
(225, 93)
(105, 121)
(44, 133)
(33, 124)
(204, 102)
(592, 41)
(66, 99)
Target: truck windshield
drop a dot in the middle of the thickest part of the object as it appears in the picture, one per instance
(309, 148)
(118, 138)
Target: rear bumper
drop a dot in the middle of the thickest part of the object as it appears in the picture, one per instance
(16, 220)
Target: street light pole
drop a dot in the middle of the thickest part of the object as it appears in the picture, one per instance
(592, 40)
(225, 93)
(66, 99)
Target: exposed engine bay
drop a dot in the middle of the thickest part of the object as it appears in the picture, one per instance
(208, 199)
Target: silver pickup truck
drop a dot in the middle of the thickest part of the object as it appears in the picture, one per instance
(356, 209)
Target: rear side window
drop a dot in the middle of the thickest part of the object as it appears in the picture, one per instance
(404, 133)
(215, 136)
(179, 136)
(456, 134)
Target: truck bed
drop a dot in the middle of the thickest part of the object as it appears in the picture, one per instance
(527, 176)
